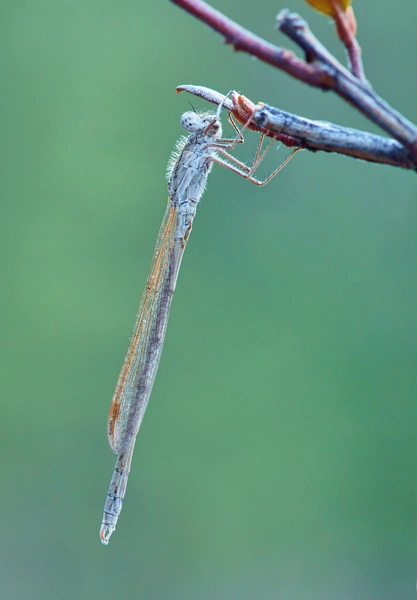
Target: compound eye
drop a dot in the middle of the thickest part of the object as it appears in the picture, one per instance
(191, 121)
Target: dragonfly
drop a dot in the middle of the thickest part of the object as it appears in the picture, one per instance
(188, 169)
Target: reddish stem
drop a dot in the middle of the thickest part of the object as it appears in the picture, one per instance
(246, 41)
(346, 30)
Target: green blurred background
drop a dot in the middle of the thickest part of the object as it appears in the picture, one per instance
(278, 456)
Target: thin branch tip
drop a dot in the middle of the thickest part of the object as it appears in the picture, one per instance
(294, 131)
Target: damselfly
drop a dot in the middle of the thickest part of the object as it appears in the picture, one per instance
(188, 170)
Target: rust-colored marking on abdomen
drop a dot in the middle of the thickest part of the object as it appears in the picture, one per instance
(113, 415)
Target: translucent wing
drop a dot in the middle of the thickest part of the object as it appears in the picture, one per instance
(138, 372)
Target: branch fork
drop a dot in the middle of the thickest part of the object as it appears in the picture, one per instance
(322, 70)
